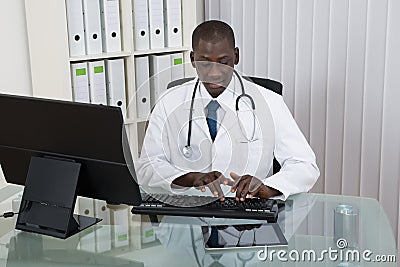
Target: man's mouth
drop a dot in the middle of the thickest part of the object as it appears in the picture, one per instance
(215, 85)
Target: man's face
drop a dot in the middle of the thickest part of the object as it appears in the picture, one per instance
(214, 64)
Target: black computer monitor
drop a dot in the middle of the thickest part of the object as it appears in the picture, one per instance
(61, 149)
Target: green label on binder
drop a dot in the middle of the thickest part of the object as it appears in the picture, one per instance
(177, 61)
(80, 72)
(122, 237)
(149, 233)
(98, 69)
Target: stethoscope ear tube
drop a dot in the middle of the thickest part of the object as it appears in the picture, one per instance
(191, 116)
(240, 80)
(253, 106)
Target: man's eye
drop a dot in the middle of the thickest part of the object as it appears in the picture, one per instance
(205, 64)
(224, 62)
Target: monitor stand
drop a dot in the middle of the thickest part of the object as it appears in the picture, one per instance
(49, 198)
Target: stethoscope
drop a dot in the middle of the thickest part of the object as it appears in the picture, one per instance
(187, 149)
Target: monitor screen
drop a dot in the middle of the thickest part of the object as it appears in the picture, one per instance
(91, 135)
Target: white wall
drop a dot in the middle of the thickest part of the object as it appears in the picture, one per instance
(339, 62)
(14, 53)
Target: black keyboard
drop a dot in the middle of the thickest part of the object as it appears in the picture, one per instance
(205, 206)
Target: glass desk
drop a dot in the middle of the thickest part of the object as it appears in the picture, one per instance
(307, 223)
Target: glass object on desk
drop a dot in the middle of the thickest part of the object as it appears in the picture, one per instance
(346, 226)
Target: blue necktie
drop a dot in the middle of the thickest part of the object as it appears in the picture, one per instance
(212, 118)
(213, 239)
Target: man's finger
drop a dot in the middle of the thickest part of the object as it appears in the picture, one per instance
(216, 190)
(222, 179)
(218, 175)
(199, 185)
(255, 186)
(239, 188)
(236, 182)
(213, 190)
(203, 182)
(245, 191)
(216, 178)
(212, 184)
(219, 191)
(235, 176)
(228, 181)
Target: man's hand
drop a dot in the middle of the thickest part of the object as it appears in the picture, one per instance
(251, 186)
(200, 181)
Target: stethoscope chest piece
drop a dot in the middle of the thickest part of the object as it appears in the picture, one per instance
(187, 151)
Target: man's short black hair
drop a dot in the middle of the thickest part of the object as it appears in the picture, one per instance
(212, 31)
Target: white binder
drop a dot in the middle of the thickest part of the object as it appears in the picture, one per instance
(80, 82)
(120, 230)
(177, 71)
(148, 234)
(103, 234)
(142, 76)
(97, 82)
(160, 72)
(135, 231)
(116, 84)
(156, 24)
(76, 33)
(173, 23)
(86, 206)
(141, 25)
(110, 25)
(87, 241)
(102, 212)
(91, 9)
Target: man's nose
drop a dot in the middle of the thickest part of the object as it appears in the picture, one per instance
(215, 71)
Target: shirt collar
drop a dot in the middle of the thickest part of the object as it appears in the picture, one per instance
(225, 99)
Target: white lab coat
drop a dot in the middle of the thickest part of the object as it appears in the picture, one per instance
(276, 134)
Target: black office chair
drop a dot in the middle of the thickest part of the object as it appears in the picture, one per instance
(272, 85)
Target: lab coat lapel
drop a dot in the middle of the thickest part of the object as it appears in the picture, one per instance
(227, 123)
(227, 101)
(199, 117)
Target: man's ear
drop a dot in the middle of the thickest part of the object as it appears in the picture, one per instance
(192, 59)
(236, 52)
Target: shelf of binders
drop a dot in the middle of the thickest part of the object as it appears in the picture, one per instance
(101, 56)
(112, 55)
(161, 51)
(51, 47)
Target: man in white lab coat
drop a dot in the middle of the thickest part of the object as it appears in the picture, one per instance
(207, 133)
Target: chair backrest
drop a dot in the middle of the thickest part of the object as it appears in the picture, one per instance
(179, 82)
(272, 85)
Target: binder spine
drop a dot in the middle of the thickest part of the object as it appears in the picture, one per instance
(76, 34)
(110, 25)
(92, 25)
(173, 23)
(141, 24)
(156, 22)
(116, 84)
